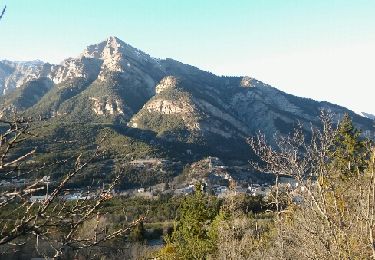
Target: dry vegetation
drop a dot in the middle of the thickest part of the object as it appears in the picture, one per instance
(333, 216)
(329, 215)
(57, 224)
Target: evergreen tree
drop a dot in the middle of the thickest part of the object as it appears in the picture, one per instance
(349, 155)
(138, 233)
(192, 237)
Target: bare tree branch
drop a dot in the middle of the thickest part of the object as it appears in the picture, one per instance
(53, 220)
(3, 12)
(335, 214)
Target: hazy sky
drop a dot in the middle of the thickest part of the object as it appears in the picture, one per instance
(322, 49)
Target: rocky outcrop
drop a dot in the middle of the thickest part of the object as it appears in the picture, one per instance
(15, 74)
(248, 82)
(167, 83)
(198, 115)
(169, 107)
(71, 68)
(171, 102)
(107, 106)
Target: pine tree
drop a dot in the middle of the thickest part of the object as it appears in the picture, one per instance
(192, 237)
(349, 155)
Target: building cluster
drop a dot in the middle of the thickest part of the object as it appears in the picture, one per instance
(13, 182)
(211, 173)
(218, 179)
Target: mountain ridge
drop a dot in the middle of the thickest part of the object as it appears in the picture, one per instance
(159, 104)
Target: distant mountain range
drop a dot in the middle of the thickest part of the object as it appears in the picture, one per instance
(371, 116)
(168, 106)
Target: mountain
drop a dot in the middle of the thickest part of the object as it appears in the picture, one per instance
(176, 107)
(164, 107)
(370, 116)
(14, 74)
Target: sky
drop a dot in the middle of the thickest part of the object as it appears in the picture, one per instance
(321, 49)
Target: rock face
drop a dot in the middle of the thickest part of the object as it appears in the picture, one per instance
(103, 107)
(15, 74)
(85, 68)
(173, 107)
(167, 83)
(114, 82)
(246, 82)
(169, 107)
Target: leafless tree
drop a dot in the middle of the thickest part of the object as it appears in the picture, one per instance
(328, 216)
(52, 220)
(3, 12)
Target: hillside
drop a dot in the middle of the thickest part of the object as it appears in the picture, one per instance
(150, 107)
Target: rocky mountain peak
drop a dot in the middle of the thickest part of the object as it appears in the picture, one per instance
(104, 50)
(116, 55)
(114, 42)
(112, 48)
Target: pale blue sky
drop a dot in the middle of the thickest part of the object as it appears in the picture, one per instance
(322, 49)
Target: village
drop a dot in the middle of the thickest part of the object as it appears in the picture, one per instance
(217, 179)
(210, 174)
